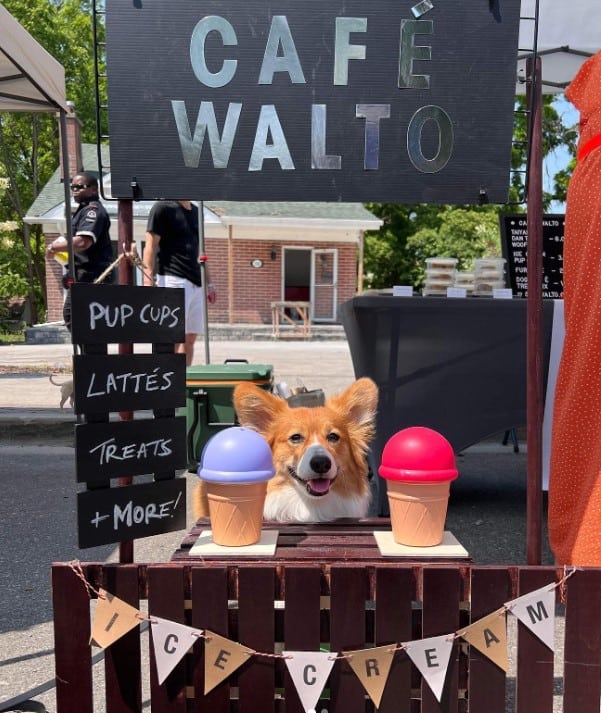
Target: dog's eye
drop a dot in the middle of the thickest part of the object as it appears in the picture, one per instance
(333, 438)
(296, 438)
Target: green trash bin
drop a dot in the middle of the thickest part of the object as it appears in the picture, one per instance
(209, 407)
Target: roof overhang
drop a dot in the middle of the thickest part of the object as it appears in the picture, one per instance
(31, 80)
(334, 224)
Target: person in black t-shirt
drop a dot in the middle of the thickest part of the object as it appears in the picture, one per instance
(92, 250)
(172, 242)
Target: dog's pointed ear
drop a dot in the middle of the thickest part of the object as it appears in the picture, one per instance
(359, 401)
(256, 408)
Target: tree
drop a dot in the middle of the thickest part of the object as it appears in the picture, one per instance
(29, 143)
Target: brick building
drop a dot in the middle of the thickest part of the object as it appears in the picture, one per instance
(258, 252)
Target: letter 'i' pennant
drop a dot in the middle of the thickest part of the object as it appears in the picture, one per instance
(537, 611)
(171, 642)
(309, 671)
(222, 658)
(431, 656)
(113, 618)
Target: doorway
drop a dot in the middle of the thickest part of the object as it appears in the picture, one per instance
(311, 275)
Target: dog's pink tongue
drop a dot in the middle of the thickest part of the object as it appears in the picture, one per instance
(319, 485)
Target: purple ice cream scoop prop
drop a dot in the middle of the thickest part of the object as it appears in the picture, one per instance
(236, 464)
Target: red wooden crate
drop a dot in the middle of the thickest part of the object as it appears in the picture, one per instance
(270, 606)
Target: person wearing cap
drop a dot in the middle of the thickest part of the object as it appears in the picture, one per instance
(172, 241)
(92, 250)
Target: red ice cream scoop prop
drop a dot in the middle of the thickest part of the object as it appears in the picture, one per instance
(418, 465)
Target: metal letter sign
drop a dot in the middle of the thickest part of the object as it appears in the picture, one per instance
(336, 100)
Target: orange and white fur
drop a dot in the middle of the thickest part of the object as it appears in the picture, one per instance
(319, 453)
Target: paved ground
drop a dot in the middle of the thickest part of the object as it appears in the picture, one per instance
(486, 512)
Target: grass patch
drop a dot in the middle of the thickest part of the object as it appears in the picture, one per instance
(12, 337)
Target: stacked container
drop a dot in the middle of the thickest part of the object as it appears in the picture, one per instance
(489, 274)
(440, 274)
(465, 280)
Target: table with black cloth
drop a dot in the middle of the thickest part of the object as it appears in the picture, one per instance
(456, 365)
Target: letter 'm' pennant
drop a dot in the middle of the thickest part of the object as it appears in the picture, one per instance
(171, 642)
(489, 636)
(113, 618)
(222, 658)
(431, 656)
(372, 667)
(537, 611)
(309, 671)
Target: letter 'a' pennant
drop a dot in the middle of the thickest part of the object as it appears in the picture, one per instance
(113, 618)
(489, 636)
(537, 611)
(171, 642)
(222, 658)
(372, 667)
(431, 656)
(309, 671)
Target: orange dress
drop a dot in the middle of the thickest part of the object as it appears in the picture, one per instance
(575, 469)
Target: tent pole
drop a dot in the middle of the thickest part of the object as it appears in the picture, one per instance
(534, 339)
(125, 232)
(67, 190)
(203, 272)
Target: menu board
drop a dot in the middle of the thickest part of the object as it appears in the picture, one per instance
(514, 241)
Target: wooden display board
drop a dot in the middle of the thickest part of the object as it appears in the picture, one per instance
(105, 384)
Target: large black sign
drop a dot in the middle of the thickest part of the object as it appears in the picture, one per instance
(514, 240)
(124, 382)
(116, 514)
(385, 101)
(118, 448)
(105, 314)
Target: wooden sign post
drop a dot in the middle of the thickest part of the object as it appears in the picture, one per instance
(106, 384)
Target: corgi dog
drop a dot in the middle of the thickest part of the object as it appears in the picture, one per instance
(319, 453)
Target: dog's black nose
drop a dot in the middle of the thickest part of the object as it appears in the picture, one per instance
(320, 464)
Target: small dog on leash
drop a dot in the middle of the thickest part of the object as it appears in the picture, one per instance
(319, 453)
(66, 391)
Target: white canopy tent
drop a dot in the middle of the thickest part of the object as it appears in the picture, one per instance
(30, 78)
(568, 33)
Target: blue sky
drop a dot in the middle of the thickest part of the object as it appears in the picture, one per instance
(560, 158)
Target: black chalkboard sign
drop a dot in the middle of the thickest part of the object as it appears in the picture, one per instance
(118, 448)
(122, 382)
(112, 314)
(514, 240)
(111, 515)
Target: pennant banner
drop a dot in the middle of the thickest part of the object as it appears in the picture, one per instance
(489, 636)
(372, 667)
(113, 618)
(537, 611)
(171, 641)
(431, 656)
(222, 658)
(309, 671)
